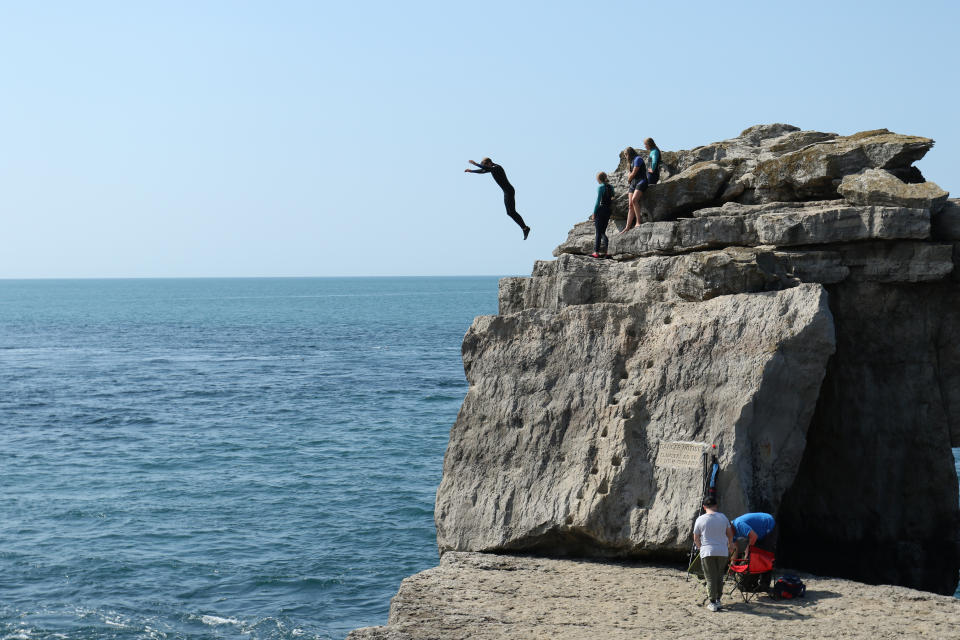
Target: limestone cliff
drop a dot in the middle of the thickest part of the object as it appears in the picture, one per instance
(794, 308)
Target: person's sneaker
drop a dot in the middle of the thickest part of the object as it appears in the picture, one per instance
(594, 255)
(526, 232)
(718, 606)
(712, 606)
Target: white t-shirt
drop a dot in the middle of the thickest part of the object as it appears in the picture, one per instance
(712, 529)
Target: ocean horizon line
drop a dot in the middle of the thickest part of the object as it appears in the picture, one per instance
(364, 277)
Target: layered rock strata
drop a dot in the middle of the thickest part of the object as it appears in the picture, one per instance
(771, 163)
(794, 310)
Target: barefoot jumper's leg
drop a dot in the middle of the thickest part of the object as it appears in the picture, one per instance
(510, 202)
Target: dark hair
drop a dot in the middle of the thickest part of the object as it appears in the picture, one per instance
(709, 501)
(631, 153)
(653, 145)
(486, 161)
(602, 177)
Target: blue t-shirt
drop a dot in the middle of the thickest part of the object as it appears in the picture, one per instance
(759, 523)
(642, 174)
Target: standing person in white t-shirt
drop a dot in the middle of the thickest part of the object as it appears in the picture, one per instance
(713, 535)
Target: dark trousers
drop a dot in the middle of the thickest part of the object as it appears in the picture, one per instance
(714, 569)
(600, 221)
(510, 202)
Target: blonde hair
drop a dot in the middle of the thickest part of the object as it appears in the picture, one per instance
(602, 177)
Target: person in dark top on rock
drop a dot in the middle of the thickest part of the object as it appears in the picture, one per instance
(509, 193)
(638, 184)
(653, 155)
(601, 215)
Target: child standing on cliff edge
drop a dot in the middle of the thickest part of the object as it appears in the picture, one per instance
(509, 193)
(713, 535)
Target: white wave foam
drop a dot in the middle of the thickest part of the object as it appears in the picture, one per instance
(115, 623)
(215, 620)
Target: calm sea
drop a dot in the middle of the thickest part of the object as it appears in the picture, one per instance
(222, 458)
(235, 458)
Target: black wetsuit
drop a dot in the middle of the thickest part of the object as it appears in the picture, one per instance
(509, 193)
(601, 217)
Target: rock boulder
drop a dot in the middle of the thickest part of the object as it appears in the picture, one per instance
(585, 428)
(772, 163)
(878, 186)
(811, 172)
(689, 190)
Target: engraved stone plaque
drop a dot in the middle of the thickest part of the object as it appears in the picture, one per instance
(681, 455)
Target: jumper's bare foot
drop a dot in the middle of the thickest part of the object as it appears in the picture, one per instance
(526, 232)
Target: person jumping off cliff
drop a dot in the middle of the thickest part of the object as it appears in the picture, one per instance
(509, 193)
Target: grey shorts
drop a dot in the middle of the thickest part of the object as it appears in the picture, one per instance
(638, 185)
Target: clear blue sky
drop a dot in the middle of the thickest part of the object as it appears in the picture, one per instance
(284, 138)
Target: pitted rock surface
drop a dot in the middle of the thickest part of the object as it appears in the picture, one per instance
(556, 446)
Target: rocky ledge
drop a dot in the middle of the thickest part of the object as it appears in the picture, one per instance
(793, 308)
(474, 596)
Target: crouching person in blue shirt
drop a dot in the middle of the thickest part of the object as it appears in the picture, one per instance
(756, 529)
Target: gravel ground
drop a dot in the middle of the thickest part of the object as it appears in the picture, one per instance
(479, 596)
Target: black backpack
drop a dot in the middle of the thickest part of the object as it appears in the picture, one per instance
(607, 198)
(789, 586)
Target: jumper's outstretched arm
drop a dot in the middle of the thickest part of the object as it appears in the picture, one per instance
(482, 168)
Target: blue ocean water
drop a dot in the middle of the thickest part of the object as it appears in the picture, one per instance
(236, 458)
(222, 458)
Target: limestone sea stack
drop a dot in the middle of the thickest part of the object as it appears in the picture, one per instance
(793, 309)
